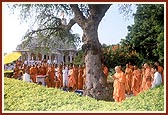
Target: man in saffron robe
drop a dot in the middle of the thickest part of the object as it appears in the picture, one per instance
(119, 85)
(75, 72)
(59, 75)
(136, 81)
(33, 73)
(16, 72)
(84, 76)
(147, 78)
(160, 70)
(80, 78)
(47, 81)
(71, 80)
(51, 75)
(128, 73)
(105, 70)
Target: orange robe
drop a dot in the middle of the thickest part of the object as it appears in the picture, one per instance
(75, 71)
(43, 70)
(40, 71)
(16, 72)
(105, 71)
(160, 70)
(146, 81)
(80, 78)
(71, 79)
(84, 77)
(51, 75)
(119, 87)
(128, 84)
(136, 82)
(33, 73)
(60, 77)
(48, 83)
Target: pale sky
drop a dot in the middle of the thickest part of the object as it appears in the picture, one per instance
(112, 28)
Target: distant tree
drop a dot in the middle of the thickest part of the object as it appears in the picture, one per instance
(146, 35)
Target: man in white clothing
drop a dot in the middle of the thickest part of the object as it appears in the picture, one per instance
(157, 78)
(26, 76)
(65, 75)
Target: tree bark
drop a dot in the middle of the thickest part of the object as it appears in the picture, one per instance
(96, 82)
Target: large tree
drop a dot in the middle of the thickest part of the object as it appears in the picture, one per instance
(88, 17)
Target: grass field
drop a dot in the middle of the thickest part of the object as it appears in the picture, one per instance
(22, 96)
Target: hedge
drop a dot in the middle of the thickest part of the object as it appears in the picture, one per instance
(23, 96)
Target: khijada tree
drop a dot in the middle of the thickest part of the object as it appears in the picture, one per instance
(88, 17)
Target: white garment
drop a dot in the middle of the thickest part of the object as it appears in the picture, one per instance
(49, 61)
(6, 67)
(25, 62)
(26, 77)
(56, 72)
(157, 80)
(11, 67)
(65, 76)
(55, 61)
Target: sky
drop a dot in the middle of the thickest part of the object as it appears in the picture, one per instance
(111, 30)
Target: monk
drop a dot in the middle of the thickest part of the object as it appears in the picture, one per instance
(33, 73)
(128, 84)
(136, 81)
(59, 75)
(119, 84)
(75, 71)
(44, 69)
(80, 78)
(51, 75)
(147, 78)
(47, 81)
(40, 70)
(105, 70)
(160, 70)
(84, 77)
(16, 72)
(71, 79)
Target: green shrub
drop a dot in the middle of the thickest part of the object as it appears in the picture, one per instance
(23, 96)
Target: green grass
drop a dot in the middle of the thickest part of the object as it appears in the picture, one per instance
(22, 96)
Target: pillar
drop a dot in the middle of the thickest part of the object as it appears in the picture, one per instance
(28, 56)
(42, 56)
(70, 58)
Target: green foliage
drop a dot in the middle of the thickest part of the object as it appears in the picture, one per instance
(115, 55)
(146, 35)
(23, 96)
(79, 59)
(45, 27)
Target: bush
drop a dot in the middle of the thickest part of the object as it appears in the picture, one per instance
(23, 96)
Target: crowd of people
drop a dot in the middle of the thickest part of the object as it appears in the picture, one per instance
(55, 75)
(133, 80)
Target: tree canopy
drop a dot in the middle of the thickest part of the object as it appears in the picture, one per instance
(146, 35)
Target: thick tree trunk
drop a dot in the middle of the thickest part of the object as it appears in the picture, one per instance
(96, 82)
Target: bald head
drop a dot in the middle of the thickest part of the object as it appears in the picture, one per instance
(146, 65)
(118, 68)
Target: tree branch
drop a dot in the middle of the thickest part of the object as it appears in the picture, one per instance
(39, 30)
(70, 24)
(79, 17)
(98, 11)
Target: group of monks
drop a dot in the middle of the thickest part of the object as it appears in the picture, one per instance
(75, 74)
(56, 76)
(133, 80)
